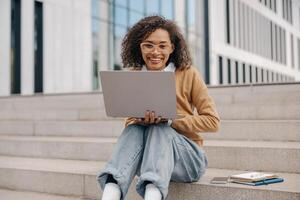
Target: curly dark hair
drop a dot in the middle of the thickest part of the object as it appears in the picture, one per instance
(131, 52)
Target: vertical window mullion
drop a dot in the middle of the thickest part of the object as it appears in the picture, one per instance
(16, 47)
(236, 72)
(291, 12)
(38, 54)
(292, 51)
(229, 70)
(220, 70)
(227, 17)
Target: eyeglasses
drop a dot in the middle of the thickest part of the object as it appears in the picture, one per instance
(148, 47)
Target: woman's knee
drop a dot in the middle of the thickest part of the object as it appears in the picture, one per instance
(162, 130)
(133, 131)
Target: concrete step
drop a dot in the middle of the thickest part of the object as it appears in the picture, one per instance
(258, 112)
(282, 94)
(78, 179)
(241, 155)
(95, 101)
(61, 177)
(17, 127)
(53, 101)
(250, 97)
(42, 114)
(254, 155)
(262, 130)
(25, 195)
(37, 115)
(256, 95)
(105, 128)
(256, 88)
(76, 148)
(238, 103)
(271, 130)
(226, 111)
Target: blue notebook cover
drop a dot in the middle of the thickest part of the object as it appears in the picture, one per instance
(263, 182)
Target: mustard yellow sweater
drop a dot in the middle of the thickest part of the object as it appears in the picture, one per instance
(191, 93)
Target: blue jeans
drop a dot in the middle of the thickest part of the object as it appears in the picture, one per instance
(157, 154)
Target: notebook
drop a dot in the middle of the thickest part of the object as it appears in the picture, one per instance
(132, 93)
(255, 178)
(252, 176)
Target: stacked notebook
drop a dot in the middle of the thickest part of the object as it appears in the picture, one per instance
(255, 178)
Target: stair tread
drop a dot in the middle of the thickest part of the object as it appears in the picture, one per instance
(58, 138)
(121, 120)
(26, 195)
(208, 143)
(291, 183)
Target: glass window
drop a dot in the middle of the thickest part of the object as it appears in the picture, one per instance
(120, 31)
(119, 34)
(236, 72)
(121, 2)
(291, 12)
(283, 8)
(229, 71)
(256, 74)
(191, 12)
(15, 47)
(38, 49)
(134, 17)
(227, 22)
(95, 8)
(137, 5)
(95, 38)
(152, 7)
(220, 70)
(95, 26)
(271, 39)
(167, 8)
(244, 73)
(250, 73)
(121, 16)
(284, 46)
(298, 43)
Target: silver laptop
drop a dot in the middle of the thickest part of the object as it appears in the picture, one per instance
(132, 93)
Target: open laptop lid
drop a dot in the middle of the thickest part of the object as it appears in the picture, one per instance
(132, 93)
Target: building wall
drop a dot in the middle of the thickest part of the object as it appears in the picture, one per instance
(67, 46)
(27, 47)
(4, 47)
(80, 38)
(251, 47)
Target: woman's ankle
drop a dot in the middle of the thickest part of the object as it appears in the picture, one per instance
(110, 179)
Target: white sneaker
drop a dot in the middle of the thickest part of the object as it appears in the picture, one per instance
(152, 192)
(111, 191)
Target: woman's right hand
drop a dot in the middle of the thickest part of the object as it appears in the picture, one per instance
(150, 118)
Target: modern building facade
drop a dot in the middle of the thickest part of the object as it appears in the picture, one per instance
(54, 46)
(255, 41)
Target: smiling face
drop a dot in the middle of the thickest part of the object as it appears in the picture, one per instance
(156, 49)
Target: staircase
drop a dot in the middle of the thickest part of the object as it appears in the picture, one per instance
(52, 146)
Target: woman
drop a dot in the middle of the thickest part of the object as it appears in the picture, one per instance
(159, 150)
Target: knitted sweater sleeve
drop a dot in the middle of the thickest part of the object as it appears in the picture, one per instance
(206, 119)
